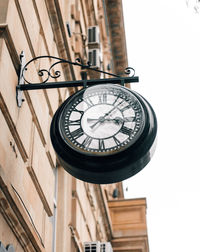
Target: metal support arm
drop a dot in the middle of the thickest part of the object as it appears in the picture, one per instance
(78, 83)
(24, 84)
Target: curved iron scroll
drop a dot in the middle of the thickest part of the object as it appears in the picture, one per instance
(51, 73)
(47, 74)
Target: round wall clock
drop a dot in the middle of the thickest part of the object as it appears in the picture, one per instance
(104, 133)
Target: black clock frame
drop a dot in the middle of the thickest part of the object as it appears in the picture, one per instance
(107, 169)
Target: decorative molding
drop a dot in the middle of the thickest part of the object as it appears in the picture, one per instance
(15, 215)
(76, 237)
(5, 34)
(62, 43)
(50, 159)
(40, 191)
(90, 197)
(136, 244)
(13, 129)
(103, 206)
(79, 202)
(35, 118)
(26, 32)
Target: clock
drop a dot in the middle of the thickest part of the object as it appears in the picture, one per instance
(104, 133)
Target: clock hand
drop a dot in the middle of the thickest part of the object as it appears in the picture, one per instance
(102, 118)
(92, 119)
(105, 119)
(116, 120)
(121, 120)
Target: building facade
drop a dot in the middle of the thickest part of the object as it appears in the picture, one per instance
(42, 207)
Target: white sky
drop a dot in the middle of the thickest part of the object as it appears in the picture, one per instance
(163, 44)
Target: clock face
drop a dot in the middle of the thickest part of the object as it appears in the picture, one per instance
(102, 120)
(104, 133)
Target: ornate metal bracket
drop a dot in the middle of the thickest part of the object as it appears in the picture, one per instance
(9, 248)
(46, 74)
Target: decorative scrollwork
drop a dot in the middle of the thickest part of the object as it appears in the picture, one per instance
(46, 73)
(130, 70)
(51, 73)
(43, 72)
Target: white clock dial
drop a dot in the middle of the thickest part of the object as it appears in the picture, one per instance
(102, 120)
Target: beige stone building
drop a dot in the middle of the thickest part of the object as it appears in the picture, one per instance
(42, 207)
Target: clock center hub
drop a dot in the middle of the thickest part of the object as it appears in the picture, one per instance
(102, 121)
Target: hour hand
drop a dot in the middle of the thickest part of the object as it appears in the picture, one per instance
(101, 119)
(116, 120)
(119, 120)
(92, 119)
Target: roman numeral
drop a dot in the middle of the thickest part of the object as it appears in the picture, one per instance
(89, 102)
(125, 130)
(79, 111)
(103, 98)
(130, 119)
(101, 144)
(77, 133)
(116, 141)
(74, 123)
(115, 100)
(127, 107)
(86, 143)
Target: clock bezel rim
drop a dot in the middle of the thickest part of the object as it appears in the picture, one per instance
(107, 153)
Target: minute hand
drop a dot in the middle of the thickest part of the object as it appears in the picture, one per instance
(101, 118)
